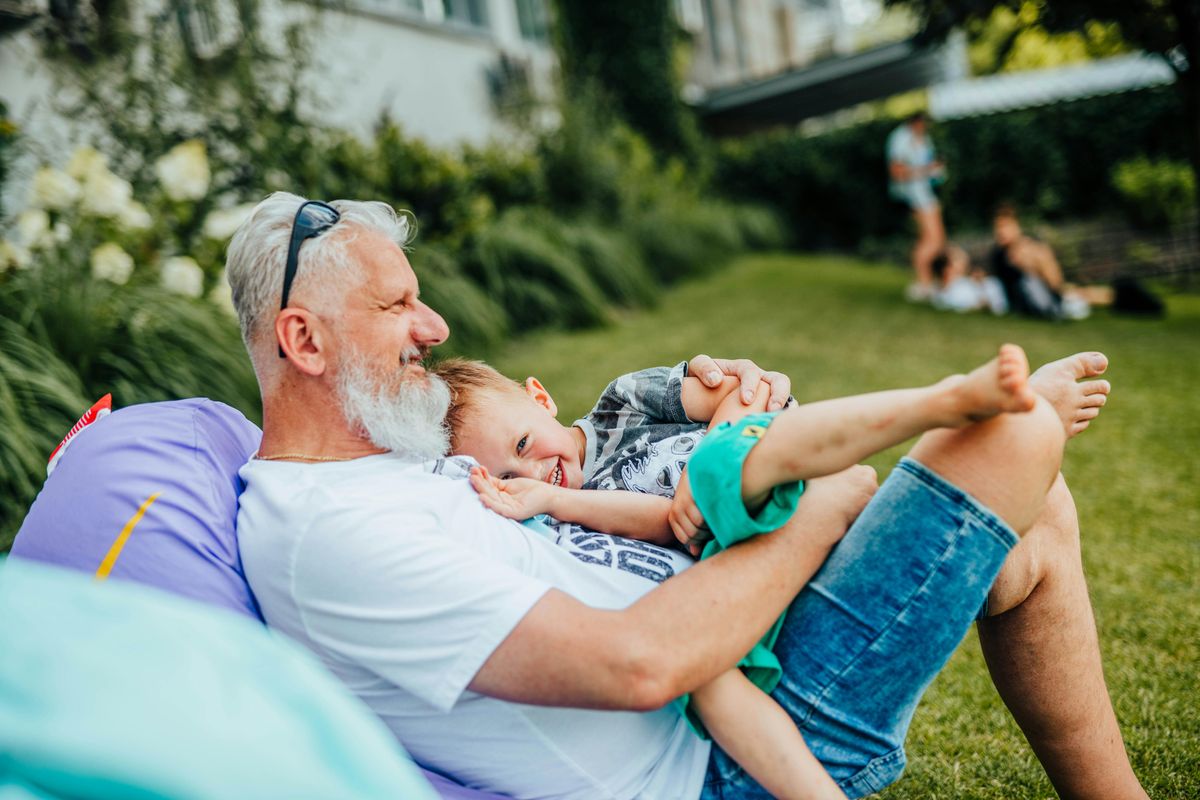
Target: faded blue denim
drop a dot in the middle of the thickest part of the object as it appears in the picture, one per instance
(875, 625)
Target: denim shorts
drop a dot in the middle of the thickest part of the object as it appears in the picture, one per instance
(875, 625)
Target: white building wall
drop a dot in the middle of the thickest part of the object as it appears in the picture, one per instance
(431, 76)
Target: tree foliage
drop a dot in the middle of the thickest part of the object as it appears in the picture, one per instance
(1167, 27)
(627, 51)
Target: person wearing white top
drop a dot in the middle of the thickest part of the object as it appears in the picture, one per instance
(913, 168)
(537, 663)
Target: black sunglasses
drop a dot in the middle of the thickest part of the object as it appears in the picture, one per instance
(312, 219)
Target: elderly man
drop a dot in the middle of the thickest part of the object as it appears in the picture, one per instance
(535, 667)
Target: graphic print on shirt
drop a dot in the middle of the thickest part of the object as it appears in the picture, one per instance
(649, 467)
(600, 550)
(645, 560)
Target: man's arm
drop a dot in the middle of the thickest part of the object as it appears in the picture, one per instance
(564, 653)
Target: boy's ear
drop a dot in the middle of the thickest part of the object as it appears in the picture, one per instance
(534, 389)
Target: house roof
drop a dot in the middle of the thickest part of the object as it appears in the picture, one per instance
(825, 86)
(1014, 90)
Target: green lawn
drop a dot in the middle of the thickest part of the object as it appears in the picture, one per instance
(838, 326)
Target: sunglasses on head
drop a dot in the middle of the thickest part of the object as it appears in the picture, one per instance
(312, 219)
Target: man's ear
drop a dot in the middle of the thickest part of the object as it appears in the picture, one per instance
(534, 389)
(301, 331)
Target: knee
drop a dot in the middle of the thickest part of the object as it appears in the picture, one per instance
(1042, 439)
(1050, 546)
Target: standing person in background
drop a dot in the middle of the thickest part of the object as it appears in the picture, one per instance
(913, 168)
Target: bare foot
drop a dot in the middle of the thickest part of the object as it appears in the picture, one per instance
(1077, 403)
(998, 387)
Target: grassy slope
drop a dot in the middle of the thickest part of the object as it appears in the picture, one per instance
(838, 327)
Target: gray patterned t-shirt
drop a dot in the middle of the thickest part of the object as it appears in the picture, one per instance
(639, 438)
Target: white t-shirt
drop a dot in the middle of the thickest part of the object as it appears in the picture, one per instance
(399, 579)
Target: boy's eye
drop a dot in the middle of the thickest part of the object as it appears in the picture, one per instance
(521, 444)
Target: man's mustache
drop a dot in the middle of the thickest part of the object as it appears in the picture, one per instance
(412, 355)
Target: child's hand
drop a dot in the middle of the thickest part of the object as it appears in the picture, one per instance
(516, 498)
(685, 519)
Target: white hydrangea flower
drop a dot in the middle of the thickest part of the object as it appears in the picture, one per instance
(105, 194)
(62, 232)
(85, 161)
(135, 217)
(183, 171)
(224, 222)
(12, 255)
(182, 275)
(53, 189)
(33, 229)
(111, 263)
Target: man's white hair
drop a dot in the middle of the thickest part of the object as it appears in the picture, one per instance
(325, 270)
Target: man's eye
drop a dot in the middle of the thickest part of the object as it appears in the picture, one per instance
(521, 444)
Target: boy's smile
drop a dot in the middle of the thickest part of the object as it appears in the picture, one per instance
(518, 437)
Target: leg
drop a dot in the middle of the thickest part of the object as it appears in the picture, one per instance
(1007, 463)
(864, 639)
(1040, 643)
(931, 238)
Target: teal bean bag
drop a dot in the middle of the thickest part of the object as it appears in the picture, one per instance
(115, 690)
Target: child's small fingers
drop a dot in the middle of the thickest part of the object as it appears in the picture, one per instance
(677, 529)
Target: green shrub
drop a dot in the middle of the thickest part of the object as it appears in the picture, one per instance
(610, 257)
(683, 239)
(40, 398)
(831, 189)
(1155, 194)
(536, 281)
(477, 323)
(760, 226)
(509, 176)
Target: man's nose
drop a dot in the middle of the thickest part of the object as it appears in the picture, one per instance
(430, 329)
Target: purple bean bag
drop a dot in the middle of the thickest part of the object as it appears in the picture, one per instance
(149, 494)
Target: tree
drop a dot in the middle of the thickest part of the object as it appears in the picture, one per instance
(627, 50)
(1170, 28)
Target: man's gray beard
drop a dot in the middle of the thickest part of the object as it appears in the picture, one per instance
(406, 414)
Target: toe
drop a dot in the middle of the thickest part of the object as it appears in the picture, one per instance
(1096, 387)
(1086, 414)
(1079, 427)
(1089, 364)
(1093, 401)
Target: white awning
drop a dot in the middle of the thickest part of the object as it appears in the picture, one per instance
(1013, 90)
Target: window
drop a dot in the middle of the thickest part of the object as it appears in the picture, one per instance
(466, 12)
(533, 20)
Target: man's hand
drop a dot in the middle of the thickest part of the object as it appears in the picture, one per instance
(843, 495)
(515, 498)
(711, 371)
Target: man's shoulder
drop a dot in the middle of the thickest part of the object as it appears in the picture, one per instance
(370, 493)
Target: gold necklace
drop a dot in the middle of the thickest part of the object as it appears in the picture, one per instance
(302, 457)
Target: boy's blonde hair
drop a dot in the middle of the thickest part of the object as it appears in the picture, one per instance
(470, 382)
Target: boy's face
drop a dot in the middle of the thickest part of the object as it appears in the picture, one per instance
(517, 436)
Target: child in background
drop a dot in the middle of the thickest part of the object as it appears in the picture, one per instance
(962, 288)
(640, 437)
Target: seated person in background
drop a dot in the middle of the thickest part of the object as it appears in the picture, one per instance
(963, 288)
(544, 467)
(1032, 278)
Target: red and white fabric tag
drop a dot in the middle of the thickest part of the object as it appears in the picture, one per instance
(101, 409)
